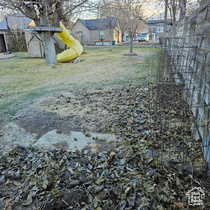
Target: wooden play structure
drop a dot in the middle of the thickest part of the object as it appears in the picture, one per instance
(41, 40)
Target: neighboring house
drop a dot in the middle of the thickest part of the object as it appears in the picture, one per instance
(150, 30)
(156, 27)
(97, 31)
(12, 31)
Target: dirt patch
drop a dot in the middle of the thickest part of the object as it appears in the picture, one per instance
(39, 122)
(82, 110)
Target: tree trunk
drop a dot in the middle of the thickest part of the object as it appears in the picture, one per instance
(182, 8)
(166, 15)
(48, 42)
(131, 43)
(174, 10)
(49, 48)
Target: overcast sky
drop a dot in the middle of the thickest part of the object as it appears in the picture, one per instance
(151, 8)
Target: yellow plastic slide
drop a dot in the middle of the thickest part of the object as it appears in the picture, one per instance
(75, 48)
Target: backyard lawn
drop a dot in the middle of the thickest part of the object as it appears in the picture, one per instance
(23, 79)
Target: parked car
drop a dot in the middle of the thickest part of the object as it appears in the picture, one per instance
(142, 37)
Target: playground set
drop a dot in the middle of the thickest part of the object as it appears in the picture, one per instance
(62, 37)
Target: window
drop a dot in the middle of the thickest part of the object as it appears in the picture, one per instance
(101, 35)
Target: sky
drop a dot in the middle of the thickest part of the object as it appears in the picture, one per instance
(153, 8)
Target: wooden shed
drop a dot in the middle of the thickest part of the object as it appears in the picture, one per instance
(34, 44)
(3, 40)
(12, 31)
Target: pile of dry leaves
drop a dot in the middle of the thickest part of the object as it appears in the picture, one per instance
(154, 166)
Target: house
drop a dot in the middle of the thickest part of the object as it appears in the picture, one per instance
(12, 35)
(103, 31)
(156, 27)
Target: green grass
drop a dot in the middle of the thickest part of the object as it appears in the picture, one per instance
(23, 79)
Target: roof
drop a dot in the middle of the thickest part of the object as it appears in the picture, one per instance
(100, 24)
(17, 22)
(157, 21)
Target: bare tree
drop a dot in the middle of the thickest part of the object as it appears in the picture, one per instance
(192, 5)
(135, 16)
(182, 8)
(128, 12)
(45, 13)
(114, 9)
(175, 8)
(166, 15)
